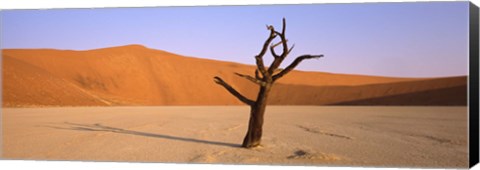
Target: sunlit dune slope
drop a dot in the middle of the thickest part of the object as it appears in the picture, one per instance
(25, 84)
(136, 75)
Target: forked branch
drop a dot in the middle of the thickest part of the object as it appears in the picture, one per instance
(259, 57)
(279, 58)
(283, 39)
(272, 49)
(234, 92)
(294, 64)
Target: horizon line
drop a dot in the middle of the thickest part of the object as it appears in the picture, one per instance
(138, 45)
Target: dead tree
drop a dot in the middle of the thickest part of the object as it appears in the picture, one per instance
(265, 77)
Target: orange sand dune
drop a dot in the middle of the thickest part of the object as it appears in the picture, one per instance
(28, 85)
(136, 75)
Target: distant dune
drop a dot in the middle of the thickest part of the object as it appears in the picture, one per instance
(135, 75)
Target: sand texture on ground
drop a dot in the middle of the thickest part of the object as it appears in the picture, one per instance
(134, 75)
(293, 135)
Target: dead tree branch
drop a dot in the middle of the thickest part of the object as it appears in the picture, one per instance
(265, 78)
(234, 92)
(294, 64)
(254, 80)
(259, 57)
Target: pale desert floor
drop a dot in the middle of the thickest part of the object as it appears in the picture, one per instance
(293, 135)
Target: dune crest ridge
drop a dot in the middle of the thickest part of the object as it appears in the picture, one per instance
(136, 75)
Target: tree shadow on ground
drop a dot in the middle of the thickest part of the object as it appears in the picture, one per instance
(97, 127)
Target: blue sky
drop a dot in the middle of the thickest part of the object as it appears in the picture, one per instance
(427, 39)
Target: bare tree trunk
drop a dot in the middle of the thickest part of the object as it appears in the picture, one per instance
(257, 112)
(264, 78)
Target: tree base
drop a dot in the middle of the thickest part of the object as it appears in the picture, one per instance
(251, 145)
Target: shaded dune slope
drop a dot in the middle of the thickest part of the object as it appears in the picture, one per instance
(456, 97)
(441, 91)
(136, 75)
